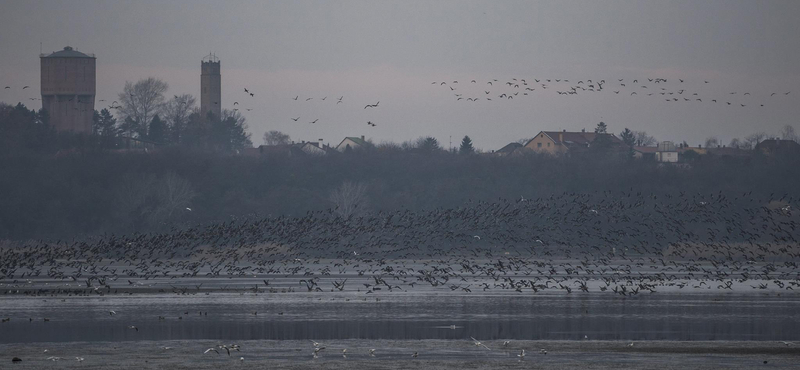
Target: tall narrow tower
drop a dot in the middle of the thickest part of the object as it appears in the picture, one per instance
(210, 87)
(68, 89)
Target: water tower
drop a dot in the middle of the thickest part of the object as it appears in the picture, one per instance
(210, 87)
(68, 79)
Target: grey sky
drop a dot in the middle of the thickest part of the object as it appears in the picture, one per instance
(369, 51)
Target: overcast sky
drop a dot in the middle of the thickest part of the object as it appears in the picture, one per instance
(392, 51)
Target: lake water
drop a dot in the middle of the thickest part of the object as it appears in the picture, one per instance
(402, 316)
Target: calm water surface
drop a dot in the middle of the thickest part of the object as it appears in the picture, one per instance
(326, 316)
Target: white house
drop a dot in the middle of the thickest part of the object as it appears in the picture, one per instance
(666, 152)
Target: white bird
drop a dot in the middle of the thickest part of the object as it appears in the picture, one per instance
(133, 327)
(630, 345)
(241, 359)
(414, 355)
(211, 349)
(112, 312)
(316, 344)
(521, 355)
(79, 359)
(479, 344)
(344, 353)
(543, 351)
(372, 352)
(188, 209)
(477, 237)
(506, 343)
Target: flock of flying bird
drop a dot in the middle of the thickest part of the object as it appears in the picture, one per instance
(568, 238)
(672, 90)
(623, 243)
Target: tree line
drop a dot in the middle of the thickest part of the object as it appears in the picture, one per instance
(62, 185)
(146, 114)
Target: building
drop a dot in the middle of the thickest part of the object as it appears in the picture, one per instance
(68, 84)
(353, 143)
(301, 149)
(563, 142)
(210, 87)
(512, 149)
(724, 151)
(777, 146)
(666, 152)
(313, 148)
(647, 153)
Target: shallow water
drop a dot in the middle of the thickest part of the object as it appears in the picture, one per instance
(401, 316)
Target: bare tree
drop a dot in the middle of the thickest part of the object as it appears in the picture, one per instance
(350, 199)
(141, 101)
(643, 139)
(176, 112)
(173, 195)
(711, 142)
(275, 137)
(753, 139)
(134, 200)
(788, 133)
(736, 143)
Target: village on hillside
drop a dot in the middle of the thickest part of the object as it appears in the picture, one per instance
(554, 143)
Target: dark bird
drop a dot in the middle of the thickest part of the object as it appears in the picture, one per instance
(314, 121)
(25, 87)
(295, 119)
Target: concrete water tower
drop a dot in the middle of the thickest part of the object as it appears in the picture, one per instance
(210, 87)
(68, 82)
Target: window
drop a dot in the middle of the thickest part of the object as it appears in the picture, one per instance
(539, 145)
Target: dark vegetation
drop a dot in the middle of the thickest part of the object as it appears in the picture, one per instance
(57, 186)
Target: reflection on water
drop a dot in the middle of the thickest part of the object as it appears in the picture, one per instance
(300, 316)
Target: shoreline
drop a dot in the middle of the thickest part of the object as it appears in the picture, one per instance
(396, 354)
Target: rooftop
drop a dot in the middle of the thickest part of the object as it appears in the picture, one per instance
(68, 52)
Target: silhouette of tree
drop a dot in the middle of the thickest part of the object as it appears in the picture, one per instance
(629, 139)
(788, 133)
(428, 144)
(643, 139)
(104, 124)
(158, 130)
(176, 113)
(275, 137)
(601, 128)
(139, 102)
(349, 199)
(466, 146)
(753, 139)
